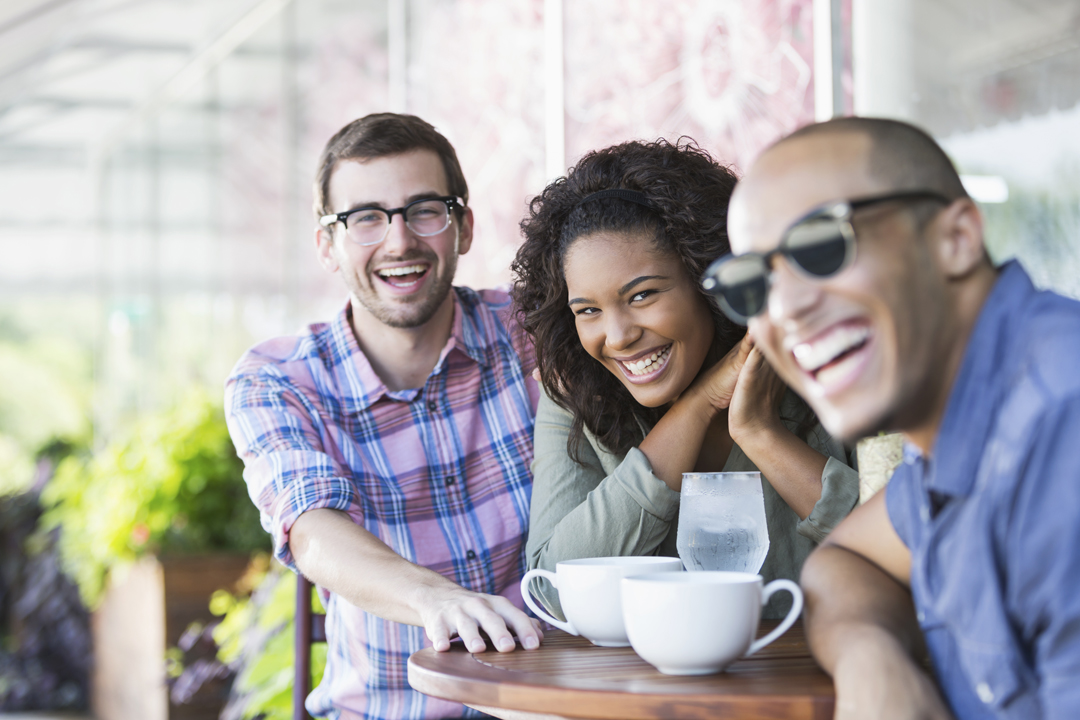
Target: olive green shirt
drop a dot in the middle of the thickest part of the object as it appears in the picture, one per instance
(615, 505)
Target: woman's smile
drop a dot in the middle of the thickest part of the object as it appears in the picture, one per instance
(638, 313)
(645, 367)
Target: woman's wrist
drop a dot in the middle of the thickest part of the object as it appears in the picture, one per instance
(763, 433)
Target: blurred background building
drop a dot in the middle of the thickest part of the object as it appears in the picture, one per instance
(156, 156)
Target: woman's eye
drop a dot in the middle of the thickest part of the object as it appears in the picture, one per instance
(586, 311)
(638, 297)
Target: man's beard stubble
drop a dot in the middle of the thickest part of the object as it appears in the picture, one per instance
(411, 313)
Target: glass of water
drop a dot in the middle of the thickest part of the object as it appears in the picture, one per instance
(722, 522)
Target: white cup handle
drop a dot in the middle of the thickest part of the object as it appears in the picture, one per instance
(792, 616)
(527, 597)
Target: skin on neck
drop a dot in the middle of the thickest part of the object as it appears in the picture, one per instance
(403, 358)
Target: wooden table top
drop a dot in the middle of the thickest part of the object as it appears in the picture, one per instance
(570, 677)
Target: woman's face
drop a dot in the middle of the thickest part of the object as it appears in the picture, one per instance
(638, 313)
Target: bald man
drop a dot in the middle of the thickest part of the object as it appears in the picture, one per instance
(858, 263)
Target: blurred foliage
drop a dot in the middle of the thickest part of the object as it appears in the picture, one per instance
(44, 629)
(44, 401)
(255, 638)
(170, 483)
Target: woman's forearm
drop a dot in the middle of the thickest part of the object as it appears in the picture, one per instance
(674, 444)
(793, 468)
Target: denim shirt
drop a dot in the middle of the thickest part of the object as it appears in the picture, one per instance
(992, 517)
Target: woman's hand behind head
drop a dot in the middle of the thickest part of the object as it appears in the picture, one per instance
(718, 383)
(755, 404)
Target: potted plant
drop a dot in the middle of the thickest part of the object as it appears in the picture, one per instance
(150, 525)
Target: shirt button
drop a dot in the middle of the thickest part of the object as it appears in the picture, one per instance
(432, 405)
(924, 513)
(921, 616)
(471, 555)
(984, 692)
(450, 480)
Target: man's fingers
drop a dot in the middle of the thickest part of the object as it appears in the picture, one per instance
(469, 632)
(439, 635)
(495, 627)
(526, 628)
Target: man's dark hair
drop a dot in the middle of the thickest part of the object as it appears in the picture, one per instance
(902, 156)
(687, 194)
(379, 135)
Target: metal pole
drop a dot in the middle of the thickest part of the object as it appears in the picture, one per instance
(397, 49)
(291, 184)
(882, 59)
(828, 60)
(554, 92)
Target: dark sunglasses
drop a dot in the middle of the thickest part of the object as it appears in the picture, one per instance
(820, 244)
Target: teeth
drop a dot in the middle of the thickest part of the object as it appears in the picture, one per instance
(836, 372)
(394, 272)
(824, 350)
(648, 364)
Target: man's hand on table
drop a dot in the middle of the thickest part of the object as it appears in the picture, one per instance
(339, 555)
(454, 611)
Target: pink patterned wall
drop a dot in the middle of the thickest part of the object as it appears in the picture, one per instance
(732, 74)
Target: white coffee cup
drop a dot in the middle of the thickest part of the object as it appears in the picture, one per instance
(590, 594)
(699, 623)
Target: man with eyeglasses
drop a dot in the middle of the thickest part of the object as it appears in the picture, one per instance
(389, 449)
(860, 269)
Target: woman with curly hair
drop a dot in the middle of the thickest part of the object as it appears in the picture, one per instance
(645, 378)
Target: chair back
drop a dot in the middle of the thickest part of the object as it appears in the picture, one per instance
(310, 628)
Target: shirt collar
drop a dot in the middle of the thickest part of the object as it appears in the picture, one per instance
(984, 378)
(360, 386)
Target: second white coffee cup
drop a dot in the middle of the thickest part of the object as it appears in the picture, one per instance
(590, 594)
(697, 623)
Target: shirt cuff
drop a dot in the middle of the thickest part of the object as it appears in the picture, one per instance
(839, 494)
(635, 475)
(286, 495)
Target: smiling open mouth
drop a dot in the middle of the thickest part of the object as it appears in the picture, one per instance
(649, 364)
(403, 277)
(833, 355)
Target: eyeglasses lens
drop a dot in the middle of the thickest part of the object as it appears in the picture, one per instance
(425, 218)
(819, 245)
(743, 285)
(428, 217)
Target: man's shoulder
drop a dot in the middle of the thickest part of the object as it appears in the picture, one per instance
(494, 317)
(492, 313)
(496, 300)
(1051, 344)
(287, 355)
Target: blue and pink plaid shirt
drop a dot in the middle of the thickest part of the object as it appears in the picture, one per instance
(439, 473)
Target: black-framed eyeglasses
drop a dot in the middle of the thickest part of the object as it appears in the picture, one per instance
(370, 225)
(820, 244)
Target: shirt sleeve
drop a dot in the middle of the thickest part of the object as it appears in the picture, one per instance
(839, 487)
(580, 511)
(1045, 558)
(282, 438)
(839, 494)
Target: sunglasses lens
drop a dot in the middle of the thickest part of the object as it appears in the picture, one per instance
(820, 246)
(741, 284)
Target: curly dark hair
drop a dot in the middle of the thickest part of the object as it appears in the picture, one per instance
(687, 194)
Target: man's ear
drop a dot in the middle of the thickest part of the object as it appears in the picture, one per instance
(324, 248)
(959, 236)
(465, 231)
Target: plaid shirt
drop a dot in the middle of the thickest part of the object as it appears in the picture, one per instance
(439, 473)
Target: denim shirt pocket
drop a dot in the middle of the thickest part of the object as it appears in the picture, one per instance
(999, 678)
